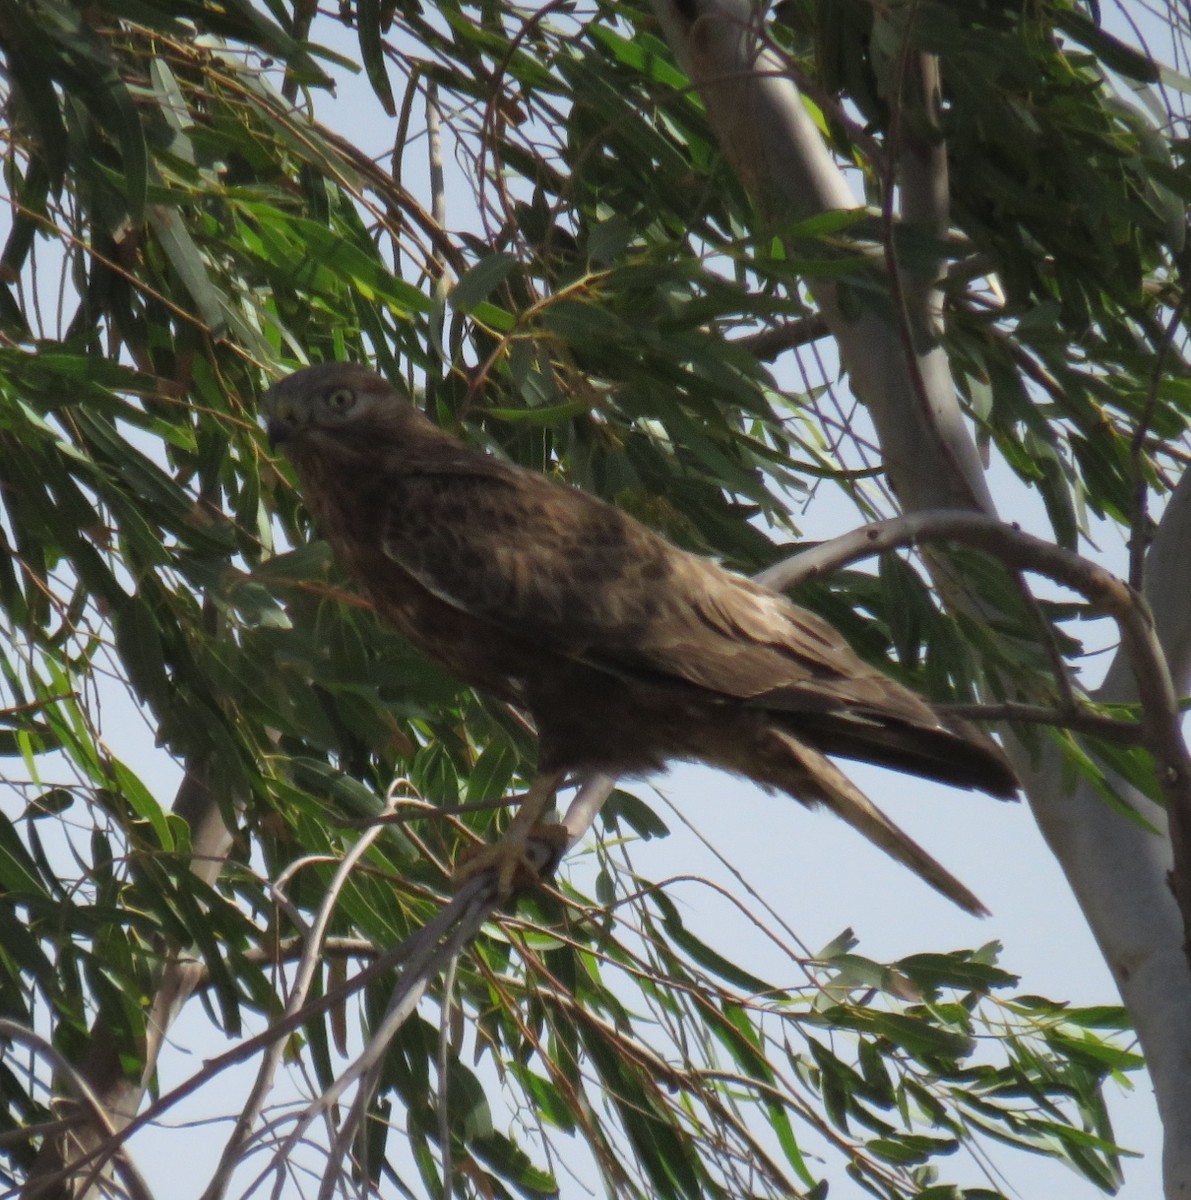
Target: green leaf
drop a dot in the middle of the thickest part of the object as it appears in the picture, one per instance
(138, 639)
(481, 281)
(911, 1148)
(642, 819)
(492, 773)
(556, 414)
(18, 872)
(1110, 50)
(187, 260)
(143, 803)
(309, 562)
(368, 25)
(512, 1163)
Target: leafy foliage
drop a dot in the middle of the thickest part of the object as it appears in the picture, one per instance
(183, 227)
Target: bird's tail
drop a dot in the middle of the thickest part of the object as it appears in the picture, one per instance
(957, 753)
(812, 776)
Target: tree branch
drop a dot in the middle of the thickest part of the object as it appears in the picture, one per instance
(271, 1059)
(1080, 718)
(476, 892)
(1140, 647)
(768, 344)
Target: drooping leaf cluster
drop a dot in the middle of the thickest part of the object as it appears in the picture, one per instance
(602, 302)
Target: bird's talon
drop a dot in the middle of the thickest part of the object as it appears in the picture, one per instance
(510, 861)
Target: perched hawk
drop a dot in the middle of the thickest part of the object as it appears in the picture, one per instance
(625, 650)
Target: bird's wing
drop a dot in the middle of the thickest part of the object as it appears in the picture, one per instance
(579, 577)
(513, 548)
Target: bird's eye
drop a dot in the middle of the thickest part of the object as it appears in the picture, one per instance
(340, 399)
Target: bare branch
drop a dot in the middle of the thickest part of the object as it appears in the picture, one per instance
(1023, 552)
(444, 278)
(414, 946)
(589, 799)
(443, 1064)
(425, 964)
(768, 344)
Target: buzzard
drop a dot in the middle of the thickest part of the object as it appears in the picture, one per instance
(625, 650)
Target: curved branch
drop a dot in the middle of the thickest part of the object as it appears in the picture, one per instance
(1139, 642)
(439, 927)
(430, 959)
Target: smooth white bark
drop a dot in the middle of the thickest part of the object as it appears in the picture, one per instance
(1137, 923)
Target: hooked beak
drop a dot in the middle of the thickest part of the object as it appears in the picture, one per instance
(278, 433)
(281, 421)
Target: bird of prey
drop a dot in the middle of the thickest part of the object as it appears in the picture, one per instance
(626, 651)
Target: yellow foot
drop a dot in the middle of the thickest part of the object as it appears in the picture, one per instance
(510, 860)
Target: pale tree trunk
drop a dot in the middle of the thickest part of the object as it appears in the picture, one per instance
(1118, 871)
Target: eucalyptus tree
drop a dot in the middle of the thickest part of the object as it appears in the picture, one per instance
(677, 215)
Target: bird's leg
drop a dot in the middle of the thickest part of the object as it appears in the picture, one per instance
(509, 858)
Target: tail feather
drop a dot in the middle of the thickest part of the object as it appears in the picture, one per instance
(813, 776)
(960, 756)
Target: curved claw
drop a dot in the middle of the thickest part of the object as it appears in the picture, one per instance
(515, 868)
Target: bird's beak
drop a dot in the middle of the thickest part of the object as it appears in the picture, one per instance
(281, 420)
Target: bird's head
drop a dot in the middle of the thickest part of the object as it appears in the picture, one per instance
(331, 402)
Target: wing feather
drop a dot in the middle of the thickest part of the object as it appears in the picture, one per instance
(577, 576)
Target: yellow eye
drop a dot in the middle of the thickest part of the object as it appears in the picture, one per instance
(340, 399)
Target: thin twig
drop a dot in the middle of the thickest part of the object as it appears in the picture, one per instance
(438, 191)
(423, 809)
(271, 1059)
(1081, 718)
(444, 1074)
(413, 946)
(408, 991)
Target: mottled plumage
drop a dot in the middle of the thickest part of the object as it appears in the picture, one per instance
(626, 651)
